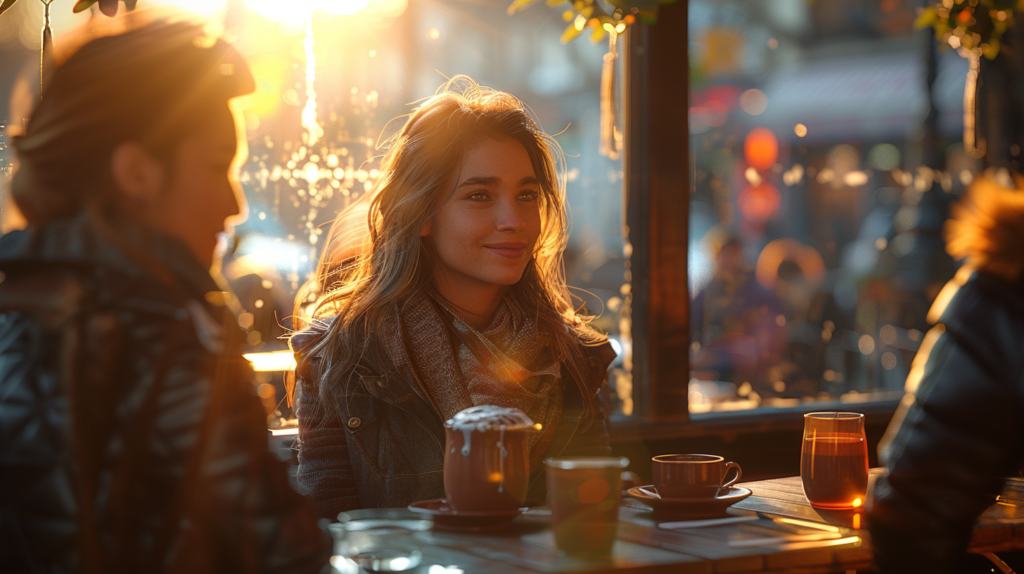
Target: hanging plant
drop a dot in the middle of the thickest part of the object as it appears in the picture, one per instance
(605, 18)
(975, 25)
(108, 7)
(600, 16)
(975, 28)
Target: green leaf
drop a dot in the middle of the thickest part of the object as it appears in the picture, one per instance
(570, 33)
(82, 5)
(6, 5)
(518, 5)
(990, 50)
(929, 17)
(598, 34)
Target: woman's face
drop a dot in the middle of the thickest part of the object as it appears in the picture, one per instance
(201, 195)
(485, 232)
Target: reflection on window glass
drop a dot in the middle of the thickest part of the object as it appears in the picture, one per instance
(821, 182)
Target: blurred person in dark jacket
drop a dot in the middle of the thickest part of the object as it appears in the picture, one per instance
(131, 439)
(960, 429)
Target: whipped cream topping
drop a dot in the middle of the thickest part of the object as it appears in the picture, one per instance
(483, 418)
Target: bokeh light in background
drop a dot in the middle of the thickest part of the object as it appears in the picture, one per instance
(884, 156)
(760, 203)
(761, 148)
(754, 101)
(805, 257)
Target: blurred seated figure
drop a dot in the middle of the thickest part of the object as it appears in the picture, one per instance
(734, 319)
(131, 439)
(960, 429)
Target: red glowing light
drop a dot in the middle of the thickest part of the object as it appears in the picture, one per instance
(760, 204)
(761, 148)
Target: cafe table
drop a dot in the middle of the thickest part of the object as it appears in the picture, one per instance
(773, 530)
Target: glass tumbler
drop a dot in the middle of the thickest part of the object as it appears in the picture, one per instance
(834, 460)
(584, 495)
(376, 540)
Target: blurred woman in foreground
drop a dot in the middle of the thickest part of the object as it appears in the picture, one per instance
(130, 436)
(449, 293)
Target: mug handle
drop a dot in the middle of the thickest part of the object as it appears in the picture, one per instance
(726, 484)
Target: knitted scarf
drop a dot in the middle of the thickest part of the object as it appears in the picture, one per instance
(508, 364)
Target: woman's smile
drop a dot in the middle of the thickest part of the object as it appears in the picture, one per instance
(507, 249)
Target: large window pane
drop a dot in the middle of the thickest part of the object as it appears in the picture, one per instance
(820, 188)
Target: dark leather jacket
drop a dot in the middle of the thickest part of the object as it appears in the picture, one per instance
(383, 446)
(959, 432)
(130, 436)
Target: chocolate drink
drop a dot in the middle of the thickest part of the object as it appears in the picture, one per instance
(834, 469)
(486, 459)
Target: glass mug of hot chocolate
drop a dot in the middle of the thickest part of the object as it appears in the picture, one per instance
(487, 459)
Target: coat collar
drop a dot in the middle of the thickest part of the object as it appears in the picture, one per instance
(77, 242)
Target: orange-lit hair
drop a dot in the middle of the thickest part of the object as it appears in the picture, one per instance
(375, 258)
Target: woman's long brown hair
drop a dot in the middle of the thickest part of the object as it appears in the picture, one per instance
(375, 258)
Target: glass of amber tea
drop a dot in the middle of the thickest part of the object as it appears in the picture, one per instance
(834, 460)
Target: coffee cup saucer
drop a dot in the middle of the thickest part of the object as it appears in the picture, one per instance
(696, 507)
(447, 518)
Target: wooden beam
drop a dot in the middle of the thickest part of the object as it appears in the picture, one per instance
(658, 165)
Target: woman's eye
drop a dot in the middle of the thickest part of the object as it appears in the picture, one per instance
(529, 195)
(477, 196)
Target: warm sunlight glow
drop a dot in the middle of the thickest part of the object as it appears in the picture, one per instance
(313, 129)
(276, 10)
(272, 361)
(207, 8)
(806, 524)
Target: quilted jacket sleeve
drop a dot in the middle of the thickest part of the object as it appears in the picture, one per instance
(249, 518)
(325, 471)
(961, 434)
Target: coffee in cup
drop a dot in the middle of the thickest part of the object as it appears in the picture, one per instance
(486, 459)
(692, 475)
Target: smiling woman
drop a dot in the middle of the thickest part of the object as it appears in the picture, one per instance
(442, 290)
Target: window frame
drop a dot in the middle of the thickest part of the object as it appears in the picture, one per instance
(658, 180)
